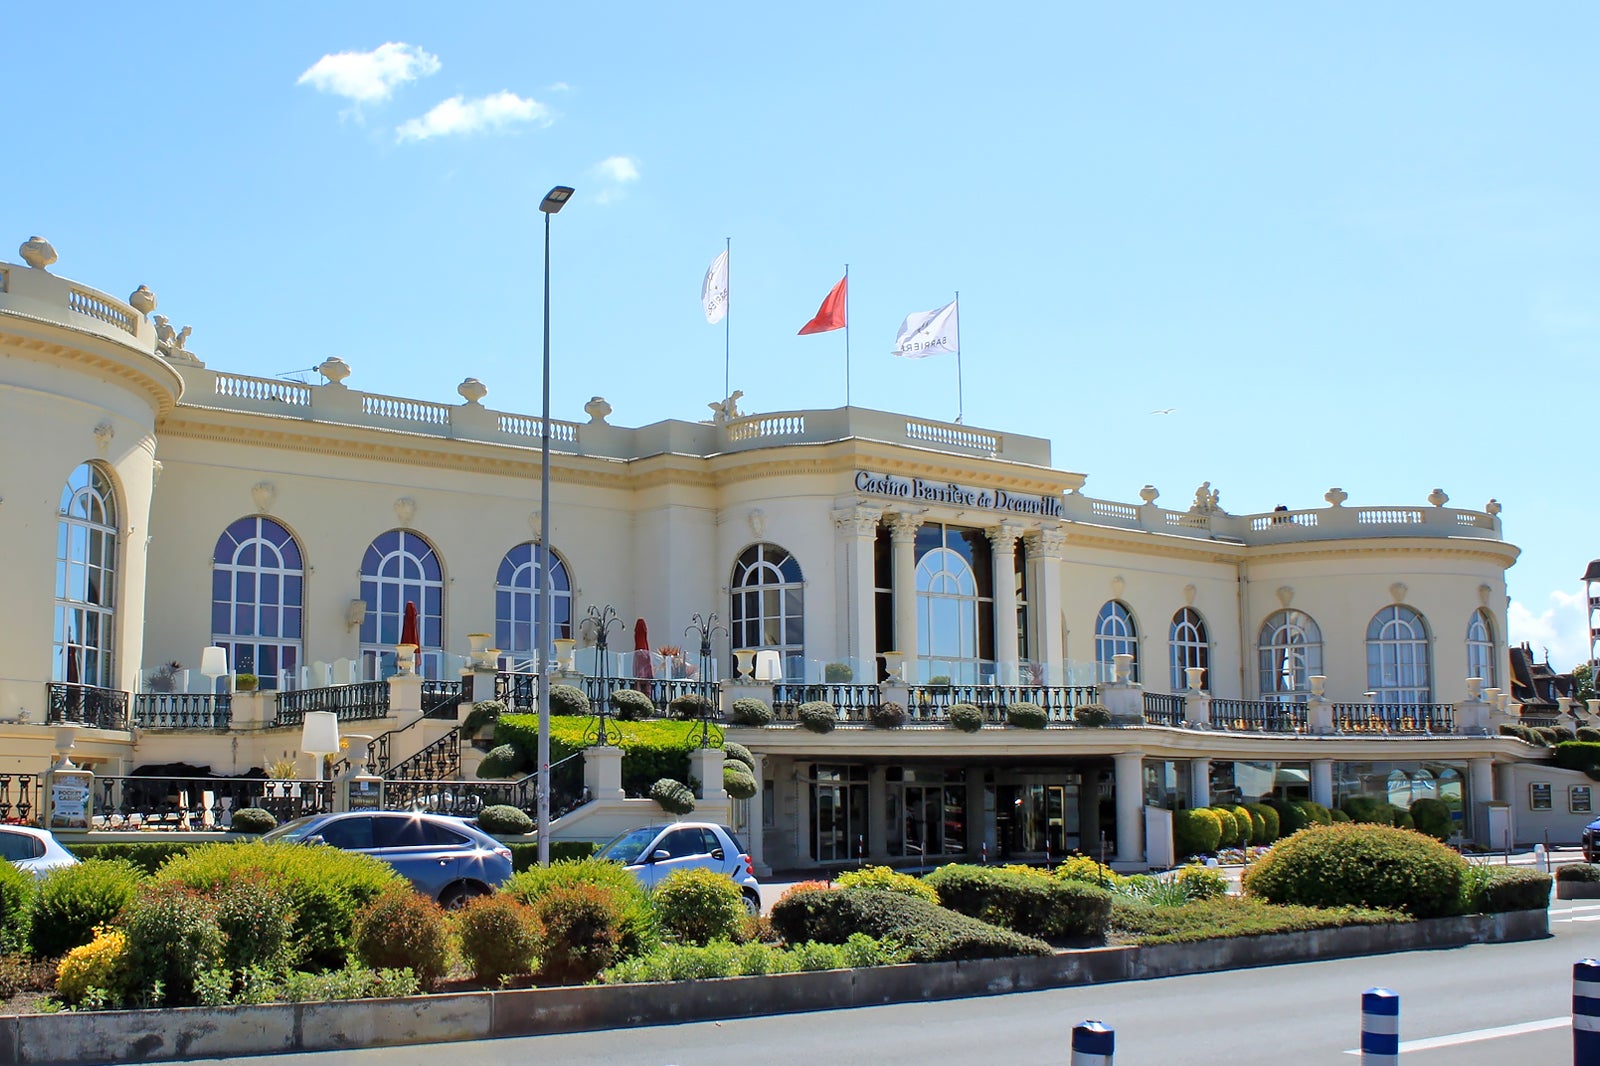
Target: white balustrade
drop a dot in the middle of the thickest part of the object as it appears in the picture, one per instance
(98, 307)
(244, 387)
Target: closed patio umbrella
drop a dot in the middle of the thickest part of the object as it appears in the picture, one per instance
(641, 651)
(408, 626)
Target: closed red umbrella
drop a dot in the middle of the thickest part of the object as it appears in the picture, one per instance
(641, 651)
(408, 626)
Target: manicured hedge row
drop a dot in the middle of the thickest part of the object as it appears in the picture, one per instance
(526, 856)
(651, 750)
(146, 856)
(930, 933)
(1032, 903)
(1497, 889)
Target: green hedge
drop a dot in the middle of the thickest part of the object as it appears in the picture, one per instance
(1133, 922)
(1432, 817)
(17, 890)
(928, 932)
(1580, 755)
(651, 750)
(1034, 904)
(525, 856)
(1496, 889)
(1360, 865)
(1196, 832)
(1268, 828)
(146, 856)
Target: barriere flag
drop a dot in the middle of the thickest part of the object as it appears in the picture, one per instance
(928, 333)
(831, 315)
(714, 291)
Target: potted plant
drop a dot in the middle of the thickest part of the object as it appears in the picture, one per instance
(164, 678)
(246, 682)
(838, 673)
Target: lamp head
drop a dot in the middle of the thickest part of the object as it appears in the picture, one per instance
(555, 199)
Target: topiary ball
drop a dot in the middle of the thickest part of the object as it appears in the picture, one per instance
(568, 700)
(631, 706)
(738, 781)
(819, 716)
(690, 707)
(751, 711)
(889, 715)
(1026, 716)
(738, 753)
(966, 717)
(502, 819)
(502, 761)
(1361, 865)
(252, 820)
(674, 797)
(1093, 715)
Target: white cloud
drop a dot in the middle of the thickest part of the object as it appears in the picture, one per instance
(560, 87)
(367, 77)
(459, 115)
(1563, 628)
(618, 168)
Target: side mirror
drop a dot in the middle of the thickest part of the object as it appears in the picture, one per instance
(660, 855)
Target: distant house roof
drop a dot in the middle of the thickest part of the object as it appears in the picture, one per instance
(1593, 573)
(1534, 684)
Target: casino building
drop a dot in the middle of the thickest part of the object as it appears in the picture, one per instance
(154, 506)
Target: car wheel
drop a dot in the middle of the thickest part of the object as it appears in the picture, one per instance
(752, 904)
(457, 896)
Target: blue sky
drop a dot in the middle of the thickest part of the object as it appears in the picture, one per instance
(1351, 245)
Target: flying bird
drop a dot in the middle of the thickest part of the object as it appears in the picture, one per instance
(1164, 411)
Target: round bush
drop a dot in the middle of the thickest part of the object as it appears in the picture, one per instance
(256, 917)
(1316, 813)
(631, 706)
(1498, 889)
(1200, 883)
(737, 781)
(1432, 817)
(966, 717)
(252, 820)
(673, 796)
(890, 715)
(503, 760)
(697, 906)
(1229, 823)
(882, 877)
(740, 754)
(1335, 817)
(1291, 819)
(73, 900)
(819, 716)
(173, 940)
(582, 925)
(1360, 865)
(1589, 734)
(402, 928)
(568, 700)
(17, 889)
(498, 936)
(751, 711)
(98, 966)
(1093, 715)
(1268, 829)
(690, 707)
(1196, 832)
(1026, 716)
(638, 918)
(502, 819)
(483, 713)
(1246, 824)
(1578, 871)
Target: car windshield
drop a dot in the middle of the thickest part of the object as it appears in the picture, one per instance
(627, 848)
(294, 831)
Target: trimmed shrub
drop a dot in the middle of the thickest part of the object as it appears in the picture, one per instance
(819, 716)
(17, 890)
(1315, 812)
(697, 906)
(1580, 755)
(483, 713)
(147, 856)
(673, 797)
(257, 922)
(525, 855)
(1369, 810)
(838, 673)
(631, 706)
(568, 700)
(1338, 816)
(1548, 736)
(1199, 883)
(502, 819)
(1196, 832)
(1588, 733)
(966, 717)
(499, 936)
(1269, 828)
(1083, 868)
(890, 715)
(502, 760)
(403, 929)
(1026, 716)
(582, 925)
(97, 969)
(1094, 715)
(739, 753)
(1496, 889)
(752, 712)
(173, 940)
(1025, 901)
(887, 880)
(1578, 871)
(927, 932)
(1230, 827)
(1432, 818)
(737, 781)
(1360, 866)
(690, 707)
(73, 900)
(1291, 818)
(638, 928)
(252, 820)
(1247, 824)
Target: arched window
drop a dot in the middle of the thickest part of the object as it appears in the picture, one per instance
(768, 609)
(1291, 653)
(1114, 634)
(1480, 648)
(401, 567)
(947, 616)
(257, 592)
(516, 618)
(86, 581)
(1189, 647)
(1397, 657)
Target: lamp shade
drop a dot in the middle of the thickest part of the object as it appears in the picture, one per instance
(769, 666)
(320, 734)
(213, 661)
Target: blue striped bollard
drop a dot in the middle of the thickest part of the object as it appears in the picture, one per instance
(1586, 1013)
(1380, 1027)
(1093, 1044)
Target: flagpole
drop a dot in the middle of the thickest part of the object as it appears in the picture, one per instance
(847, 334)
(961, 409)
(727, 327)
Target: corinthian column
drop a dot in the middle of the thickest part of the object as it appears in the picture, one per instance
(903, 535)
(1003, 548)
(857, 640)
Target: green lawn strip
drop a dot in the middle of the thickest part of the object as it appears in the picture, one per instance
(1135, 923)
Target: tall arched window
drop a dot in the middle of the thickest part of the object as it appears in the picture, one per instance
(516, 615)
(947, 616)
(1189, 647)
(1480, 648)
(257, 592)
(401, 567)
(84, 641)
(768, 609)
(1114, 634)
(1397, 656)
(1291, 653)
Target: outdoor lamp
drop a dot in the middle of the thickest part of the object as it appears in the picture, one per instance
(213, 664)
(319, 736)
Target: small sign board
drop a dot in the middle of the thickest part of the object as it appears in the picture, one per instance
(1539, 797)
(365, 793)
(69, 799)
(1580, 799)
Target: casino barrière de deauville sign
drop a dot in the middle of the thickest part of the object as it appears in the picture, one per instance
(915, 488)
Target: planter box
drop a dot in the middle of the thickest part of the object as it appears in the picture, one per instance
(1577, 889)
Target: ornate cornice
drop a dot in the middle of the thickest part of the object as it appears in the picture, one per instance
(146, 374)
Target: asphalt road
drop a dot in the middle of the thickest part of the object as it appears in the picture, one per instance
(1473, 1006)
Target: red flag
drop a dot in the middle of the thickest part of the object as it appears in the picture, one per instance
(830, 316)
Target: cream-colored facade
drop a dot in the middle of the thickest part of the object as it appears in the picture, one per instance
(829, 536)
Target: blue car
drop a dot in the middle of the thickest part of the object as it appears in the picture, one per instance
(446, 858)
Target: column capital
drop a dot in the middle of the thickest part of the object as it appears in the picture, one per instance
(860, 520)
(903, 525)
(1046, 542)
(1004, 537)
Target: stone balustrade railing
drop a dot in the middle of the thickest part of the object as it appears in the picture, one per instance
(1334, 522)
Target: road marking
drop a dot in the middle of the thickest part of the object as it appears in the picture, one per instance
(1476, 1035)
(1579, 918)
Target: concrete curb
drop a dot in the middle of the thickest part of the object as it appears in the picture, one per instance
(84, 1038)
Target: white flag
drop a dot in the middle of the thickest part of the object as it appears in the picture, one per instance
(929, 333)
(714, 293)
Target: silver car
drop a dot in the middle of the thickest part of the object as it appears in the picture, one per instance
(34, 850)
(651, 852)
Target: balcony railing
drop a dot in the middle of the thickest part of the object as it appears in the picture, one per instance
(182, 710)
(17, 795)
(854, 703)
(467, 798)
(1258, 716)
(440, 698)
(1162, 709)
(352, 703)
(196, 803)
(1394, 718)
(86, 705)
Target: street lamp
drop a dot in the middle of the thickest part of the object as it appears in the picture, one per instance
(553, 201)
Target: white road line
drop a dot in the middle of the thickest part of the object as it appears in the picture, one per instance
(1579, 918)
(1476, 1035)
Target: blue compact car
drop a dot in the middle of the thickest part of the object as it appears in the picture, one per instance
(1591, 841)
(445, 858)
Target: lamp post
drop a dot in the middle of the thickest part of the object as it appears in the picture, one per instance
(553, 201)
(599, 623)
(705, 629)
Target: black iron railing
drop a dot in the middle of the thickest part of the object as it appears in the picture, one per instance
(932, 703)
(86, 705)
(440, 698)
(1258, 716)
(17, 794)
(1394, 717)
(662, 691)
(184, 803)
(467, 798)
(440, 759)
(854, 703)
(352, 703)
(1162, 709)
(182, 710)
(519, 692)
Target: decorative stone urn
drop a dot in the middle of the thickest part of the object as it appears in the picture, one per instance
(335, 370)
(1122, 667)
(472, 390)
(1194, 676)
(1149, 494)
(1474, 689)
(1438, 498)
(564, 650)
(745, 659)
(142, 300)
(1319, 684)
(894, 663)
(1336, 496)
(597, 409)
(405, 660)
(37, 252)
